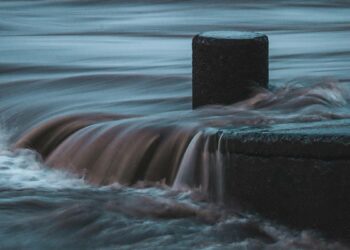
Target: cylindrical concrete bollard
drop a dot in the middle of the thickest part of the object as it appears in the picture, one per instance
(227, 65)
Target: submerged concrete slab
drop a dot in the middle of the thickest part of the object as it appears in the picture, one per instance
(320, 140)
(296, 173)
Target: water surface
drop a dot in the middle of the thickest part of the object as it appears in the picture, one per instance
(130, 62)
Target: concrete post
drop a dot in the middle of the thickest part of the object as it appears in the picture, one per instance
(227, 65)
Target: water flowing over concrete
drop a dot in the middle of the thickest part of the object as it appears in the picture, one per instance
(181, 149)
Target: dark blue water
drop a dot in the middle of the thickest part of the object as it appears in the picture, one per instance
(134, 58)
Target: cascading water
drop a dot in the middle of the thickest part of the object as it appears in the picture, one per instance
(201, 168)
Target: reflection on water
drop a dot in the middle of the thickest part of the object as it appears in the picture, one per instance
(132, 62)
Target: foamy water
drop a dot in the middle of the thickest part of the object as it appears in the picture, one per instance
(43, 208)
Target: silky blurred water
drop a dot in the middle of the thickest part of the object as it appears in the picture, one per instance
(134, 58)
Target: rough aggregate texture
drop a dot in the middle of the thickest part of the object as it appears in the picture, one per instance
(225, 70)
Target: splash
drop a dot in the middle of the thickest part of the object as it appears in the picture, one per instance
(23, 169)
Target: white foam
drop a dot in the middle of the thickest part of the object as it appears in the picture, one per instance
(23, 170)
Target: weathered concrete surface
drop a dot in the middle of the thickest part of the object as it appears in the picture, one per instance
(227, 66)
(296, 173)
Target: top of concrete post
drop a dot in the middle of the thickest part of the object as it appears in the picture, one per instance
(231, 34)
(229, 37)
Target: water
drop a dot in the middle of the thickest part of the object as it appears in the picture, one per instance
(102, 91)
